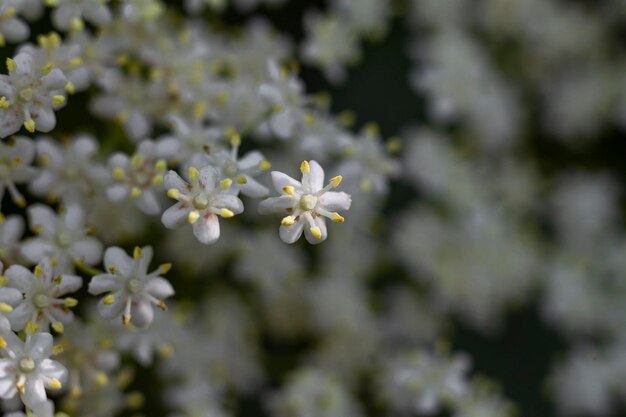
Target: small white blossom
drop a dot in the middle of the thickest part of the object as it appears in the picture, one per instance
(16, 157)
(28, 370)
(9, 299)
(69, 14)
(200, 201)
(29, 95)
(62, 237)
(12, 28)
(132, 290)
(42, 294)
(306, 203)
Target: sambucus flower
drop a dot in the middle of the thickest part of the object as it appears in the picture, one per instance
(132, 290)
(200, 201)
(307, 202)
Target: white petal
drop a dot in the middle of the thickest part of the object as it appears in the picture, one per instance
(253, 189)
(277, 204)
(290, 234)
(53, 369)
(10, 296)
(281, 180)
(317, 222)
(20, 278)
(160, 288)
(103, 283)
(69, 284)
(12, 229)
(89, 250)
(250, 161)
(174, 216)
(142, 314)
(34, 393)
(35, 249)
(111, 311)
(148, 203)
(43, 216)
(173, 180)
(116, 257)
(313, 180)
(208, 178)
(144, 261)
(74, 217)
(227, 201)
(207, 229)
(39, 345)
(117, 192)
(335, 201)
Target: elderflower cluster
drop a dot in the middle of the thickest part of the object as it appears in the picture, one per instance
(189, 227)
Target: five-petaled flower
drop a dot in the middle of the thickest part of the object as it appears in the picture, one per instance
(307, 203)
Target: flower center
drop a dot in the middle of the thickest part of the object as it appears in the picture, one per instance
(200, 201)
(308, 202)
(230, 169)
(26, 365)
(64, 239)
(41, 301)
(134, 285)
(26, 94)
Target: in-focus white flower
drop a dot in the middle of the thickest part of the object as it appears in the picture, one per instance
(200, 201)
(16, 157)
(28, 370)
(62, 237)
(42, 294)
(306, 203)
(132, 290)
(29, 95)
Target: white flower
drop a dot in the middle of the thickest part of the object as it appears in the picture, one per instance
(41, 292)
(16, 157)
(200, 202)
(9, 299)
(139, 175)
(132, 290)
(12, 28)
(63, 237)
(28, 370)
(69, 14)
(29, 95)
(306, 203)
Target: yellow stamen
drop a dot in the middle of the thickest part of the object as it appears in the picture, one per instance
(137, 160)
(118, 173)
(76, 62)
(157, 179)
(288, 189)
(193, 173)
(5, 308)
(55, 383)
(4, 104)
(305, 167)
(70, 88)
(316, 231)
(108, 300)
(38, 271)
(335, 181)
(135, 192)
(58, 100)
(193, 217)
(126, 319)
(160, 165)
(102, 379)
(4, 280)
(77, 24)
(58, 327)
(287, 221)
(3, 343)
(137, 253)
(30, 125)
(11, 65)
(57, 349)
(227, 214)
(242, 180)
(226, 183)
(46, 69)
(31, 327)
(70, 302)
(265, 165)
(337, 218)
(173, 193)
(165, 268)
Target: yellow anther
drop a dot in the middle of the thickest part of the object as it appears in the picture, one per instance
(137, 253)
(316, 231)
(157, 179)
(135, 192)
(70, 88)
(4, 280)
(11, 65)
(265, 165)
(193, 173)
(160, 165)
(193, 217)
(156, 74)
(37, 229)
(102, 379)
(165, 268)
(70, 302)
(38, 271)
(4, 104)
(287, 221)
(30, 125)
(335, 181)
(58, 100)
(242, 180)
(20, 201)
(394, 145)
(309, 119)
(58, 327)
(55, 383)
(173, 193)
(226, 183)
(108, 300)
(54, 261)
(199, 110)
(2, 218)
(113, 269)
(288, 189)
(227, 214)
(347, 118)
(52, 3)
(166, 351)
(3, 343)
(54, 39)
(57, 349)
(305, 167)
(31, 327)
(46, 69)
(5, 308)
(76, 62)
(137, 160)
(77, 24)
(372, 129)
(10, 12)
(58, 279)
(126, 319)
(118, 173)
(235, 139)
(337, 218)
